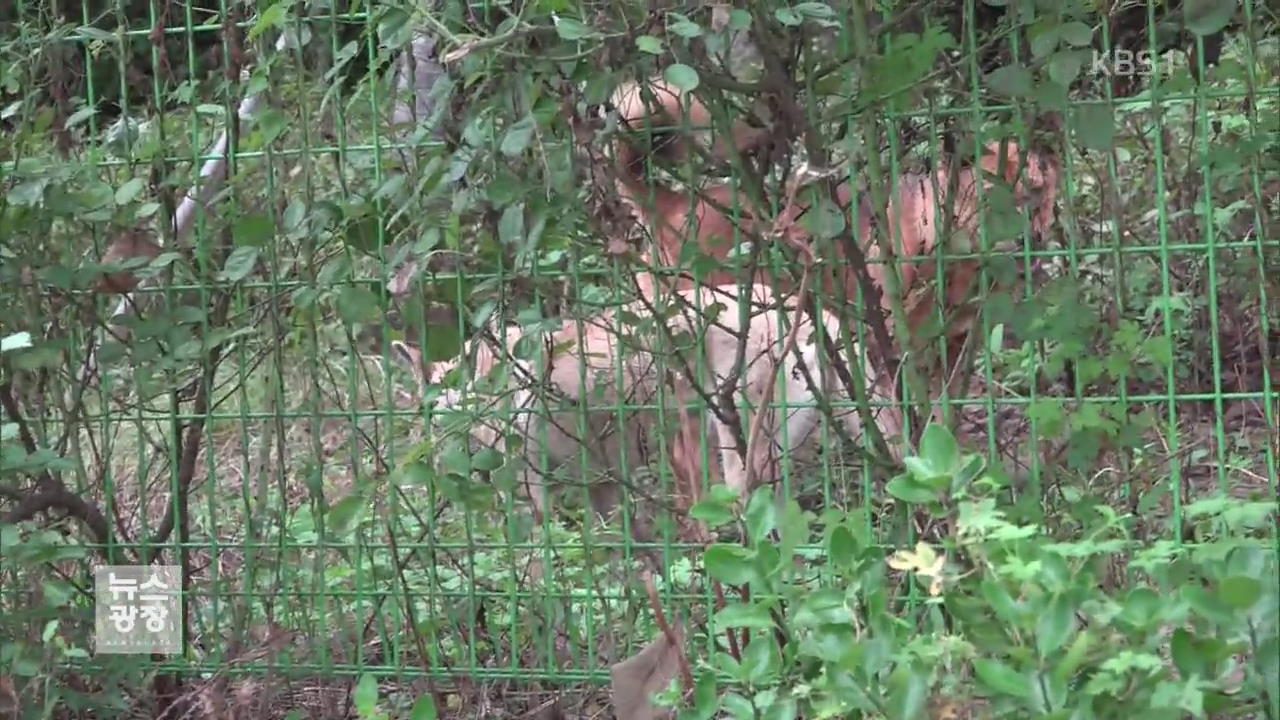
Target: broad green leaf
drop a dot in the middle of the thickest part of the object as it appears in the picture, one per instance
(129, 191)
(649, 44)
(1240, 592)
(761, 515)
(1001, 678)
(684, 27)
(487, 460)
(1064, 66)
(239, 264)
(511, 231)
(1054, 625)
(682, 76)
(1077, 33)
(253, 229)
(570, 29)
(357, 304)
(731, 564)
(1142, 607)
(442, 341)
(744, 615)
(712, 512)
(1045, 42)
(842, 546)
(518, 137)
(423, 709)
(823, 607)
(781, 709)
(343, 516)
(1011, 81)
(1186, 655)
(760, 659)
(908, 693)
(1095, 126)
(939, 448)
(787, 16)
(365, 696)
(1206, 17)
(909, 490)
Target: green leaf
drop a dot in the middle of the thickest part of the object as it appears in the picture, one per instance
(518, 137)
(939, 448)
(684, 27)
(1077, 33)
(730, 564)
(761, 515)
(442, 341)
(511, 230)
(843, 547)
(365, 696)
(1001, 678)
(908, 693)
(129, 191)
(1045, 42)
(1064, 66)
(760, 659)
(682, 76)
(357, 304)
(1208, 606)
(1186, 655)
(744, 615)
(826, 606)
(1054, 625)
(649, 44)
(487, 460)
(343, 516)
(713, 512)
(1206, 17)
(1142, 607)
(270, 18)
(570, 29)
(253, 229)
(824, 220)
(423, 709)
(239, 264)
(1095, 126)
(1011, 81)
(1240, 592)
(787, 16)
(910, 490)
(782, 709)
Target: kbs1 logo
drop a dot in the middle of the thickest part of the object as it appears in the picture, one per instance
(1127, 63)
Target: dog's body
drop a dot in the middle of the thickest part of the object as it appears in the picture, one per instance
(596, 401)
(915, 207)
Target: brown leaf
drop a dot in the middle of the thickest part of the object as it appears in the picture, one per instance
(636, 679)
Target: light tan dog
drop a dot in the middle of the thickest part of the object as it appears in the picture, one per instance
(916, 207)
(596, 400)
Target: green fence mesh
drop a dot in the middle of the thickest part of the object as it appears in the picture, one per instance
(274, 408)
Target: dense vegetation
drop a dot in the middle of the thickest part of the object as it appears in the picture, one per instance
(1085, 529)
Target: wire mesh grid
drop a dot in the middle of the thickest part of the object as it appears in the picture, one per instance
(274, 407)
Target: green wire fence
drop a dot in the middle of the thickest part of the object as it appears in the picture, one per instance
(238, 288)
